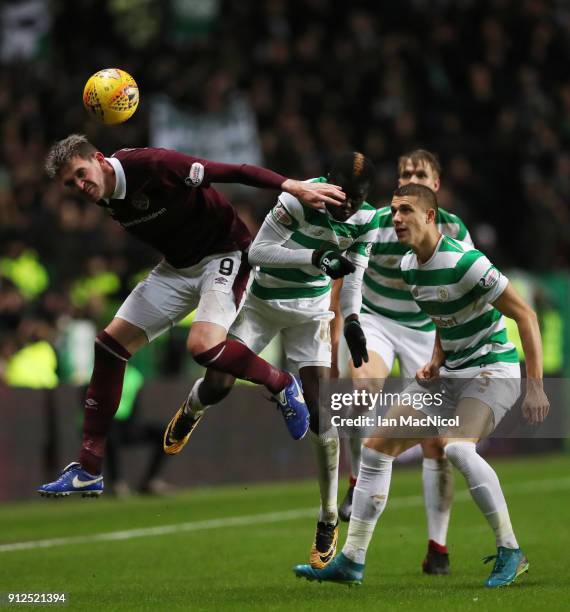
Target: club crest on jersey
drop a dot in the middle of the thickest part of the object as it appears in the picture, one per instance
(280, 214)
(490, 278)
(344, 243)
(442, 294)
(140, 201)
(195, 176)
(368, 249)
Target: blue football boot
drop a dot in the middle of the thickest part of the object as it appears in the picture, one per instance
(509, 564)
(73, 479)
(293, 408)
(341, 569)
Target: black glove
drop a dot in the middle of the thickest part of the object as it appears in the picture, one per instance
(356, 341)
(332, 263)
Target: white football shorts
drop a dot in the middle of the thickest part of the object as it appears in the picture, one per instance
(497, 385)
(216, 286)
(304, 325)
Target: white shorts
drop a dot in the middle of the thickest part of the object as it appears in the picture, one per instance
(216, 286)
(497, 385)
(390, 339)
(304, 325)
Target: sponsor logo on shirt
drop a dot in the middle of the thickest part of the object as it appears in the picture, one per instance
(280, 214)
(444, 322)
(490, 278)
(144, 219)
(196, 175)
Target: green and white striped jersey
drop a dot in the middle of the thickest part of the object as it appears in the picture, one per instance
(384, 291)
(306, 228)
(455, 288)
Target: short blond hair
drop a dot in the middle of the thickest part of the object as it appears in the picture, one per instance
(420, 156)
(64, 150)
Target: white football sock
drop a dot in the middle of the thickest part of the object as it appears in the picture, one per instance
(370, 497)
(437, 478)
(193, 406)
(326, 449)
(485, 489)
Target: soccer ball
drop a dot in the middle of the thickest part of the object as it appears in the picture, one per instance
(111, 96)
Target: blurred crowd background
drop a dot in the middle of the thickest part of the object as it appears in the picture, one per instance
(286, 84)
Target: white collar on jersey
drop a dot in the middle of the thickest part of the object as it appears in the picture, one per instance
(121, 184)
(432, 256)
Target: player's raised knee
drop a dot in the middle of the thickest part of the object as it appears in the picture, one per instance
(203, 337)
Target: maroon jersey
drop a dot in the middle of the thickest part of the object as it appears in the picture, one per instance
(171, 205)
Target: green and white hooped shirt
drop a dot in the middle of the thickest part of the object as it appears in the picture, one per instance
(306, 228)
(384, 291)
(455, 289)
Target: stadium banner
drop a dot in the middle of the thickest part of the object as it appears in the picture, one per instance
(225, 136)
(484, 405)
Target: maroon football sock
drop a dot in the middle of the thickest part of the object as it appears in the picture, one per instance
(102, 401)
(236, 359)
(440, 548)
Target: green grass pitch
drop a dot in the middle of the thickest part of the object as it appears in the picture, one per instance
(232, 548)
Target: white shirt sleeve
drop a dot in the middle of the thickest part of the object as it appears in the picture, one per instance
(485, 280)
(286, 216)
(351, 291)
(267, 249)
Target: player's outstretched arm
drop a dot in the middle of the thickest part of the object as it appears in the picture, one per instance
(535, 405)
(196, 172)
(314, 195)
